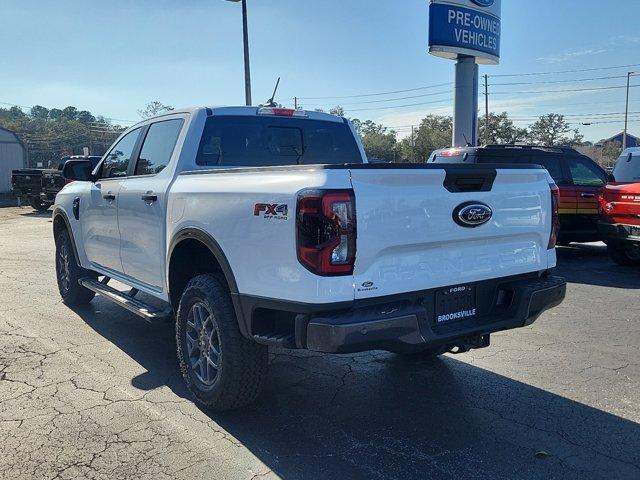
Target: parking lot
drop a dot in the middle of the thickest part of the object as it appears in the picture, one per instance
(96, 393)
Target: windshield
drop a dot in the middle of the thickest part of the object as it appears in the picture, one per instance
(269, 140)
(627, 169)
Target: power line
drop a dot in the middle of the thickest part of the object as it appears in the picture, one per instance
(377, 94)
(558, 81)
(557, 72)
(400, 106)
(390, 99)
(593, 89)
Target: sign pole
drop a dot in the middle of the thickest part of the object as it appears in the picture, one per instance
(486, 109)
(465, 106)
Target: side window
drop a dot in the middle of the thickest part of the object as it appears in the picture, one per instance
(584, 173)
(158, 146)
(553, 166)
(117, 160)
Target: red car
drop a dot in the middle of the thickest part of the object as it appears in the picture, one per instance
(620, 210)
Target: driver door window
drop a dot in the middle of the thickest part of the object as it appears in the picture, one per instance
(116, 163)
(585, 174)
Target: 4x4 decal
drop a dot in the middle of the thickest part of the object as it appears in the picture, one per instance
(277, 211)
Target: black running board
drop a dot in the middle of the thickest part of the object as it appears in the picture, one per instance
(149, 313)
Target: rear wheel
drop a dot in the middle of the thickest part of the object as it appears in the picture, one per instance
(223, 369)
(626, 253)
(38, 204)
(68, 273)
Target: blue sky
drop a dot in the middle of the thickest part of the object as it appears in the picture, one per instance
(113, 57)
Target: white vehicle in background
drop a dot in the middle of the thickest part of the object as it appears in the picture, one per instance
(258, 227)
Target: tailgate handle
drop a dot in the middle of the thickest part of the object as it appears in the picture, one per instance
(478, 180)
(587, 195)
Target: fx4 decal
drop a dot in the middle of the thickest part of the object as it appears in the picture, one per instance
(278, 211)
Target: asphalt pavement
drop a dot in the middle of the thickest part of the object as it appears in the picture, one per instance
(96, 393)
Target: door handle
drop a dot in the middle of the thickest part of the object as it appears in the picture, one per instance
(109, 196)
(588, 195)
(149, 197)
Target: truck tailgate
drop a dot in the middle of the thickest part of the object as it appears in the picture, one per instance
(408, 239)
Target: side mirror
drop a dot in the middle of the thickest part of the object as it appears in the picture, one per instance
(610, 177)
(77, 170)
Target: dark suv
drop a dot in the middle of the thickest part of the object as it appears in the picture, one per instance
(579, 179)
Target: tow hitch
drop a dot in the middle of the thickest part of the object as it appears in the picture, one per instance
(466, 344)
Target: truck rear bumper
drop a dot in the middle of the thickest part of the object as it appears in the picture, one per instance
(408, 324)
(619, 232)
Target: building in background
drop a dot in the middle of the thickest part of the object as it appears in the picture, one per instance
(12, 157)
(632, 140)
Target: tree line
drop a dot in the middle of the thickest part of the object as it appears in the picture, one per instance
(435, 132)
(50, 134)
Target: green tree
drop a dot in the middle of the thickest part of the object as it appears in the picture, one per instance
(501, 130)
(50, 134)
(379, 142)
(611, 151)
(552, 129)
(38, 111)
(154, 108)
(337, 110)
(434, 132)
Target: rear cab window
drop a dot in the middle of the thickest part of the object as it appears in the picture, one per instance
(242, 140)
(552, 163)
(627, 169)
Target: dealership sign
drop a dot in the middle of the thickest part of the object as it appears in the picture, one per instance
(465, 27)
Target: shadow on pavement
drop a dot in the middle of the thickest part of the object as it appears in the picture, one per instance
(35, 213)
(601, 271)
(379, 416)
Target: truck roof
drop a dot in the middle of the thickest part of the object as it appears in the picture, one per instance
(246, 110)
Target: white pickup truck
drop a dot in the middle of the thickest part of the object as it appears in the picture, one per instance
(256, 227)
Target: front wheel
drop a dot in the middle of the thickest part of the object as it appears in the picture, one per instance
(223, 369)
(626, 254)
(68, 273)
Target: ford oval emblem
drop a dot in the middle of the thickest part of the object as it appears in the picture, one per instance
(483, 3)
(472, 214)
(367, 284)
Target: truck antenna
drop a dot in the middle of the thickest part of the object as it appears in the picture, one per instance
(270, 102)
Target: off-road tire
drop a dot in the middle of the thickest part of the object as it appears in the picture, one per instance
(38, 204)
(68, 272)
(623, 254)
(242, 363)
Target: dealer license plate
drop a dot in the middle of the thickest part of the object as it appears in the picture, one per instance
(455, 303)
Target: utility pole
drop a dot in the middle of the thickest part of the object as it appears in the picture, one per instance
(486, 109)
(413, 146)
(245, 39)
(626, 113)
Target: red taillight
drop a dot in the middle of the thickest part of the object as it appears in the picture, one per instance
(450, 153)
(326, 231)
(555, 221)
